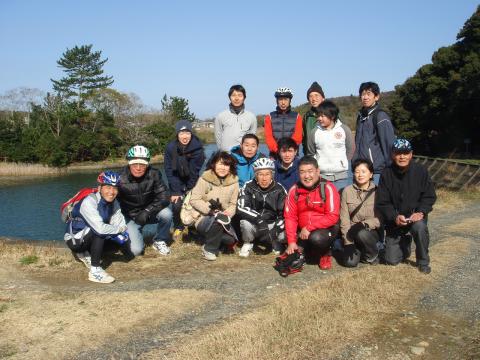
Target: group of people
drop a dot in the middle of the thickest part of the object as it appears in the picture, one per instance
(287, 203)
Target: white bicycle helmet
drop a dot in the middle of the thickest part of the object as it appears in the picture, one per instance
(284, 92)
(138, 154)
(263, 164)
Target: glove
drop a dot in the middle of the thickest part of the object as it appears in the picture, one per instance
(142, 217)
(215, 205)
(280, 224)
(349, 253)
(120, 238)
(262, 226)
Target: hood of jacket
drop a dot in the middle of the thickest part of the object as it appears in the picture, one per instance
(242, 160)
(212, 178)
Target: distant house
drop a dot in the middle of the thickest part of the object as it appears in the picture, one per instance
(202, 124)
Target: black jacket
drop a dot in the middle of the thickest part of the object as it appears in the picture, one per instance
(404, 193)
(146, 193)
(255, 203)
(183, 165)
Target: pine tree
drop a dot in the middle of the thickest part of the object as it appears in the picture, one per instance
(84, 73)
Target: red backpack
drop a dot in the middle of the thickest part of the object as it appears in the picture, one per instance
(67, 207)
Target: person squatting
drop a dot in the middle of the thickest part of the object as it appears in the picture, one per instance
(361, 199)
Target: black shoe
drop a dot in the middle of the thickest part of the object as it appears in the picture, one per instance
(425, 269)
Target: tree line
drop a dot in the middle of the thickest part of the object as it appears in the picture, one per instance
(83, 119)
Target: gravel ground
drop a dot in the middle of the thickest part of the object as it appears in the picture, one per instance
(445, 323)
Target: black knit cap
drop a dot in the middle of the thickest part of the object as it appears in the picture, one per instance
(315, 87)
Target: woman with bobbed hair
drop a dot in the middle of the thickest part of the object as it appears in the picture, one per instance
(213, 201)
(359, 223)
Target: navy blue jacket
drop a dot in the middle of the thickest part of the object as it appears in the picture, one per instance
(287, 177)
(183, 165)
(372, 145)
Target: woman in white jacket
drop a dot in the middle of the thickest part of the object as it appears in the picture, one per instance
(333, 145)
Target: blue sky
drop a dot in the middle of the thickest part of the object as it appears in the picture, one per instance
(197, 49)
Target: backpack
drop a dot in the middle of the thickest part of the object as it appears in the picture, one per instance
(321, 191)
(67, 207)
(289, 264)
(374, 115)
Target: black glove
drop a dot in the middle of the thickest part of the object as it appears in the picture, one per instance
(349, 252)
(215, 205)
(142, 217)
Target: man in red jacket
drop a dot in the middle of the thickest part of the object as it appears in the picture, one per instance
(311, 213)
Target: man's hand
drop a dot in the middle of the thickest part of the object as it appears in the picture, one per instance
(291, 248)
(142, 217)
(174, 198)
(401, 220)
(416, 217)
(304, 234)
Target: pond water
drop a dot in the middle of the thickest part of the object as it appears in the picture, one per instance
(31, 209)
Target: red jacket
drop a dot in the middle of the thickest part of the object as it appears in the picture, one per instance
(305, 208)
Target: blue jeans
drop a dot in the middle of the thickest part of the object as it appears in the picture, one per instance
(164, 219)
(340, 184)
(376, 178)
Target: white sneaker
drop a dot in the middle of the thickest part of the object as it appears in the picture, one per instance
(85, 258)
(97, 274)
(245, 250)
(208, 255)
(161, 247)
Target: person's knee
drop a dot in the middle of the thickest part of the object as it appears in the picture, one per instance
(165, 214)
(418, 227)
(320, 238)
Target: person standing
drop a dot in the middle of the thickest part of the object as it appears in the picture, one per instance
(374, 134)
(405, 197)
(233, 123)
(144, 199)
(333, 146)
(283, 122)
(184, 158)
(315, 97)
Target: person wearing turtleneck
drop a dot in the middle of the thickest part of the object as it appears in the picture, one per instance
(233, 123)
(374, 133)
(283, 122)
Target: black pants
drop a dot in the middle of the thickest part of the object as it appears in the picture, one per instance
(91, 243)
(321, 239)
(398, 241)
(366, 243)
(176, 208)
(215, 237)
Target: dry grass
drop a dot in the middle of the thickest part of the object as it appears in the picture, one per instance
(448, 200)
(318, 321)
(24, 169)
(52, 325)
(48, 256)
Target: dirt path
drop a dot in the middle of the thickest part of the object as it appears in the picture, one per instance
(232, 286)
(445, 324)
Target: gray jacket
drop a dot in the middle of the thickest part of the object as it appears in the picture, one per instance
(230, 127)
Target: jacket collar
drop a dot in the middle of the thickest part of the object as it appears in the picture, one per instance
(212, 178)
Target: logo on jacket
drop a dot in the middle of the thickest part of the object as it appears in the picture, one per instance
(338, 135)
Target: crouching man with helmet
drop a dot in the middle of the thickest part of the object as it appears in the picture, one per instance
(94, 219)
(144, 199)
(260, 209)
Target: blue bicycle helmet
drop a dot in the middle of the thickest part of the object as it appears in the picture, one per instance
(109, 178)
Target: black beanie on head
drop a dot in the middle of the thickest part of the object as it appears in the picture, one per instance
(315, 87)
